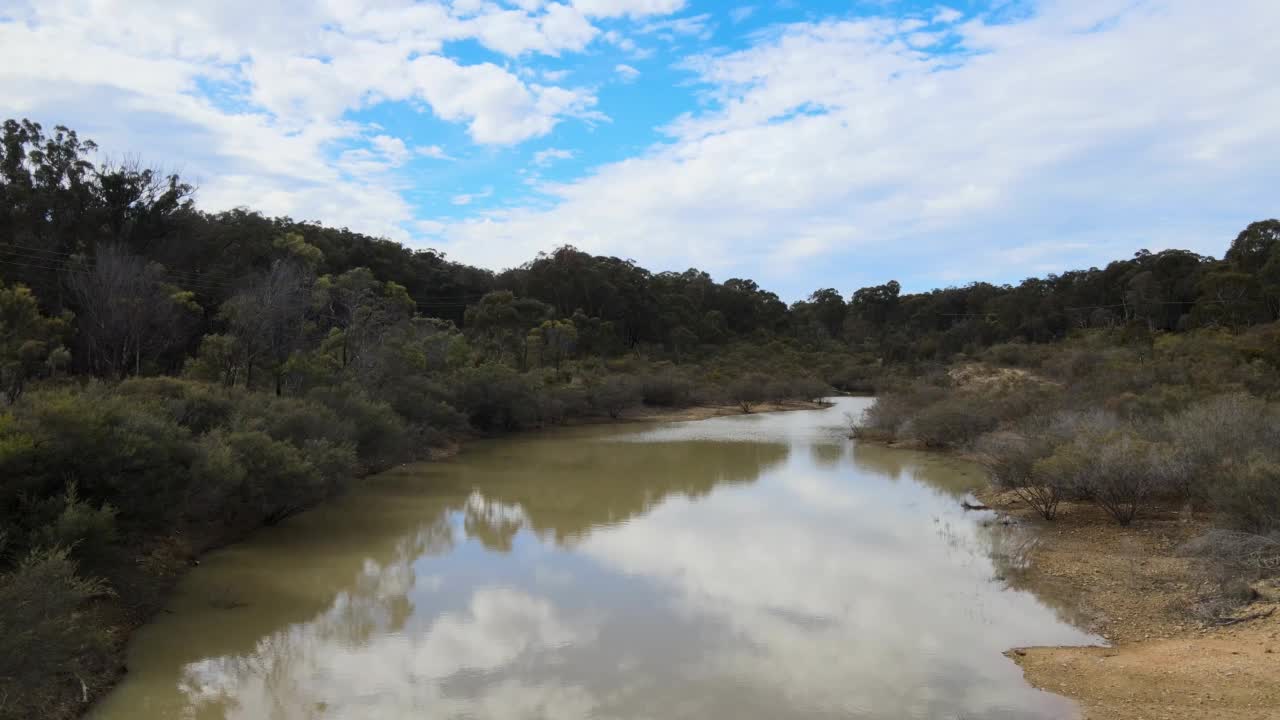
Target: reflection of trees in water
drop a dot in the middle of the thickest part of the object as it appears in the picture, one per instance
(944, 474)
(827, 455)
(1011, 547)
(563, 491)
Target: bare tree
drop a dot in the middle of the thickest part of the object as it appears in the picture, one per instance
(126, 313)
(267, 318)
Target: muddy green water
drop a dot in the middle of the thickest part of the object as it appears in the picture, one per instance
(761, 566)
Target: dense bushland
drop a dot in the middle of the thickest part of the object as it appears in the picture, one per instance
(1185, 420)
(170, 378)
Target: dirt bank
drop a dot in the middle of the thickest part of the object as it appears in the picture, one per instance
(1133, 587)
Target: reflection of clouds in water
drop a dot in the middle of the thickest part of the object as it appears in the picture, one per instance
(703, 577)
(843, 603)
(317, 670)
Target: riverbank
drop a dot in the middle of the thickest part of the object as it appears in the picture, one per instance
(1134, 587)
(148, 573)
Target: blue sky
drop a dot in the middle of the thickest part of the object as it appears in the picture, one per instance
(802, 144)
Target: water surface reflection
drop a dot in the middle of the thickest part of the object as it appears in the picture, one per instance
(755, 567)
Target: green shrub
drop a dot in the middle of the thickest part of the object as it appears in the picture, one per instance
(120, 449)
(197, 406)
(380, 435)
(293, 420)
(46, 641)
(80, 526)
(278, 481)
(495, 397)
(951, 422)
(666, 389)
(1246, 496)
(218, 489)
(614, 394)
(896, 406)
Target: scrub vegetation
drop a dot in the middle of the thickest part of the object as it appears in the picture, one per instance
(171, 379)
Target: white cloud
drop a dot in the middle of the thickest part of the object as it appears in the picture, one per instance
(946, 15)
(630, 8)
(693, 25)
(839, 140)
(468, 198)
(432, 151)
(542, 158)
(626, 72)
(256, 111)
(741, 13)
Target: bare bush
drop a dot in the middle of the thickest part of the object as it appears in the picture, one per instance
(1010, 460)
(749, 390)
(1214, 433)
(1240, 552)
(1115, 470)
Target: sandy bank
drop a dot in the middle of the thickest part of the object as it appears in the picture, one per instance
(1133, 586)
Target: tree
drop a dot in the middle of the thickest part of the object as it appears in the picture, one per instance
(501, 322)
(30, 343)
(360, 309)
(128, 314)
(554, 341)
(267, 319)
(1253, 247)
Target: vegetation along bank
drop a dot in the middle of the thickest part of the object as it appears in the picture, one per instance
(171, 379)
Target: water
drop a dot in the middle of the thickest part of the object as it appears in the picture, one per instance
(760, 566)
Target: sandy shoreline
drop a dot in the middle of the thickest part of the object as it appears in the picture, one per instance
(1133, 587)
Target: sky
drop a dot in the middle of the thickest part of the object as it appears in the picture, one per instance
(801, 144)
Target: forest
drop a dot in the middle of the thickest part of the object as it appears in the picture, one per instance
(172, 378)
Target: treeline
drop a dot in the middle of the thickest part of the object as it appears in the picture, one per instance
(170, 378)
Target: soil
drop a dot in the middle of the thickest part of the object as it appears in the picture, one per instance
(1135, 587)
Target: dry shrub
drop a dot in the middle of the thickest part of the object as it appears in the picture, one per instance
(1010, 460)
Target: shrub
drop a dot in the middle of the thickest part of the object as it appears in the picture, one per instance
(808, 388)
(666, 389)
(380, 435)
(1011, 462)
(749, 390)
(46, 641)
(278, 481)
(1247, 496)
(218, 489)
(80, 526)
(292, 420)
(895, 407)
(193, 405)
(614, 394)
(120, 449)
(495, 397)
(1217, 431)
(951, 422)
(1118, 471)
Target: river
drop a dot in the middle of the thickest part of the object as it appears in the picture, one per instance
(755, 566)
